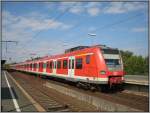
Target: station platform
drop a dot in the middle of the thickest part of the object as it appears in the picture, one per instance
(137, 79)
(12, 98)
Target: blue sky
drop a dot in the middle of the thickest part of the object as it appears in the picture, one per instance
(47, 28)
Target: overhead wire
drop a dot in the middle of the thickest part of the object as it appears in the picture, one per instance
(119, 22)
(54, 19)
(77, 25)
(116, 23)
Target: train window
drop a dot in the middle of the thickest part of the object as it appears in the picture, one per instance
(110, 51)
(41, 65)
(30, 65)
(51, 63)
(69, 64)
(47, 64)
(87, 59)
(44, 65)
(64, 64)
(72, 63)
(112, 62)
(55, 64)
(35, 65)
(79, 63)
(58, 64)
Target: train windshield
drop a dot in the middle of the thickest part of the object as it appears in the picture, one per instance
(112, 59)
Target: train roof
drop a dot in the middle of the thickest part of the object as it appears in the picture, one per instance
(67, 52)
(83, 47)
(76, 48)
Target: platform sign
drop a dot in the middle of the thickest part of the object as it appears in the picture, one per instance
(71, 66)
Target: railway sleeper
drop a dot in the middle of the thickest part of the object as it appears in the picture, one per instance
(110, 89)
(58, 107)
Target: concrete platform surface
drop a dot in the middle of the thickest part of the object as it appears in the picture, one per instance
(137, 79)
(12, 98)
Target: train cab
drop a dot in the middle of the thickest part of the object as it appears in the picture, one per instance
(114, 65)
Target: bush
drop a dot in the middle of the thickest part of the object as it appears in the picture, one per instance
(135, 65)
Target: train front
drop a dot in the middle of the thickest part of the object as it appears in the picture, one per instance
(114, 64)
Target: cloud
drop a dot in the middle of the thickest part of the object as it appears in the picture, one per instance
(91, 8)
(35, 24)
(139, 29)
(25, 26)
(123, 7)
(91, 29)
(76, 10)
(92, 4)
(93, 11)
(115, 8)
(74, 7)
(23, 29)
(94, 8)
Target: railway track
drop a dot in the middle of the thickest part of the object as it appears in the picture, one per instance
(137, 102)
(42, 98)
(132, 100)
(50, 100)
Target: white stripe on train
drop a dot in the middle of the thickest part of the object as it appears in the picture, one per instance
(74, 77)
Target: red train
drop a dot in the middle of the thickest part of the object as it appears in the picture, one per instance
(85, 64)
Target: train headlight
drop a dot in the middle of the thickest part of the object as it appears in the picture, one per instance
(102, 72)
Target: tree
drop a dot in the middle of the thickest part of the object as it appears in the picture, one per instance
(134, 64)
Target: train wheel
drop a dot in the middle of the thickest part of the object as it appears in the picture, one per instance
(83, 86)
(93, 88)
(78, 84)
(102, 88)
(120, 87)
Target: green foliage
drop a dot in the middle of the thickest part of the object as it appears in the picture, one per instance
(135, 65)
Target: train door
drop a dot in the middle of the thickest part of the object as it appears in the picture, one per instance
(54, 66)
(44, 66)
(71, 66)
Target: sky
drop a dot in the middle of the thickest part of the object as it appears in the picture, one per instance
(48, 28)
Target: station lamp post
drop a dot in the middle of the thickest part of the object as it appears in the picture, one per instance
(92, 35)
